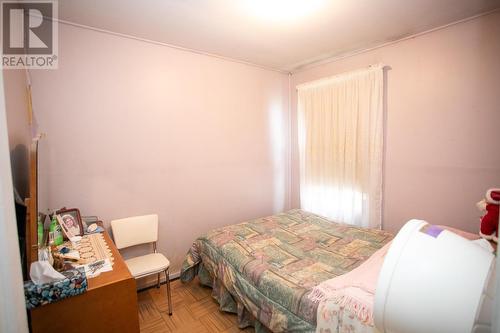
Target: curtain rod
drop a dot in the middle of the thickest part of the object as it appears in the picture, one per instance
(340, 75)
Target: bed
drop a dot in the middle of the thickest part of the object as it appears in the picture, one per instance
(265, 269)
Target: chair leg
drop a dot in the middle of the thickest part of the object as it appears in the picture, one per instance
(158, 283)
(167, 275)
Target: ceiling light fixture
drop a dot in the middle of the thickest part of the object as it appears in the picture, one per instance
(283, 10)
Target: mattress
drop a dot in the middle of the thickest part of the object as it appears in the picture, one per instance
(264, 269)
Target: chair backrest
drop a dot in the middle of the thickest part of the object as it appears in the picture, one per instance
(135, 230)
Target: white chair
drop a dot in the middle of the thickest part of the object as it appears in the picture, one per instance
(142, 230)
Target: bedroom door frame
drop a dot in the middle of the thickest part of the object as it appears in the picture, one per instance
(12, 306)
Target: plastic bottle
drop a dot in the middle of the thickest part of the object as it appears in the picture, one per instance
(55, 232)
(40, 230)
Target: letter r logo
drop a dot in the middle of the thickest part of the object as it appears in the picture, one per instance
(27, 27)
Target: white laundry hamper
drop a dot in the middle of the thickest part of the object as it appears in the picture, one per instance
(433, 280)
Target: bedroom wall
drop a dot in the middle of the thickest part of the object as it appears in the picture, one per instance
(443, 111)
(136, 128)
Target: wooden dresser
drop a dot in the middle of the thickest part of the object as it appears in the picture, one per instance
(108, 305)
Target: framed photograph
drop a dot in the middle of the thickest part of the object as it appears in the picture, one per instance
(71, 221)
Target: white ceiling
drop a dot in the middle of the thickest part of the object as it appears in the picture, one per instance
(238, 29)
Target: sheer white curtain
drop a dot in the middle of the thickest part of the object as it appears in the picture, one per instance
(340, 143)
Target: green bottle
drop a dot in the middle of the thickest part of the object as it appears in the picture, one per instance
(40, 230)
(55, 232)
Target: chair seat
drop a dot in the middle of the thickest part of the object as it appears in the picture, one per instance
(147, 264)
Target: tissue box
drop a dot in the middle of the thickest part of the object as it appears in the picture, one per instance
(74, 284)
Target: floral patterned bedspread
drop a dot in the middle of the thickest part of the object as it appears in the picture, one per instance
(266, 268)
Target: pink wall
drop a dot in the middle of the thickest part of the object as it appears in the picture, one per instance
(443, 111)
(136, 128)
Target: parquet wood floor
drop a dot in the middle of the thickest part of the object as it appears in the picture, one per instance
(194, 310)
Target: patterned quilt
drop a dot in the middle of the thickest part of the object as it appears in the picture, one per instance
(264, 269)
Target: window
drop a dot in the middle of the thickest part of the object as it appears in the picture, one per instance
(340, 144)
